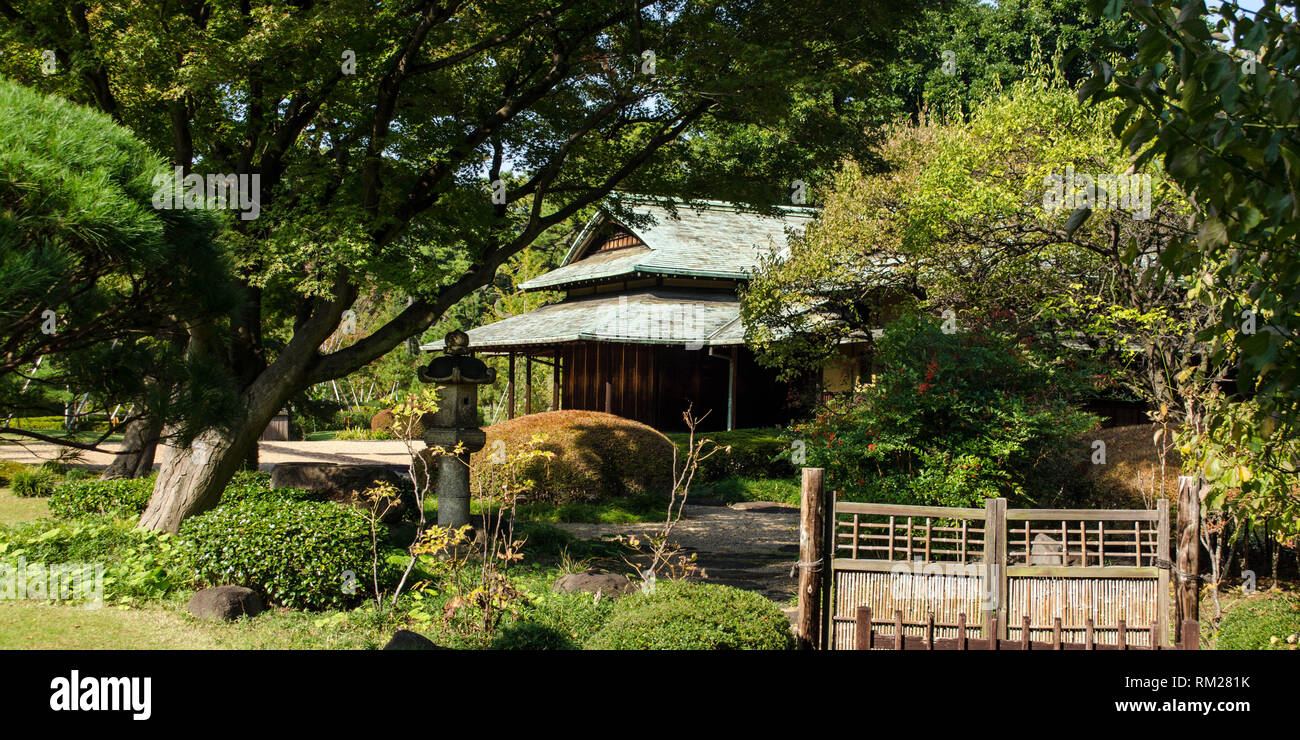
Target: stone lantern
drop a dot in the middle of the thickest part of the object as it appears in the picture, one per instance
(458, 376)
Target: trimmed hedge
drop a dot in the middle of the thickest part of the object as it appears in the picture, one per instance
(683, 615)
(34, 482)
(295, 553)
(597, 456)
(130, 496)
(1263, 623)
(124, 496)
(755, 453)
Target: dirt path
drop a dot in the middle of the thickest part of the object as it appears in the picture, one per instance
(753, 549)
(269, 454)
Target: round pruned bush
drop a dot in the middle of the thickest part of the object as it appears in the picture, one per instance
(34, 482)
(299, 554)
(122, 496)
(597, 456)
(682, 615)
(255, 484)
(1269, 622)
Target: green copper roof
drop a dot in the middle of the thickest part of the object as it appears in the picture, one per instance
(704, 239)
(696, 319)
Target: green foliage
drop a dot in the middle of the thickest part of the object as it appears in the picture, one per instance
(296, 553)
(1211, 96)
(8, 469)
(596, 456)
(123, 496)
(34, 482)
(754, 453)
(1268, 622)
(138, 564)
(130, 496)
(953, 419)
(681, 615)
(733, 490)
(555, 621)
(79, 237)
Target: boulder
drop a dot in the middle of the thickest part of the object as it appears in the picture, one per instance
(595, 581)
(339, 483)
(408, 640)
(226, 603)
(1047, 550)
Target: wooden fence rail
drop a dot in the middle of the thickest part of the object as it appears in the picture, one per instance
(1068, 576)
(867, 637)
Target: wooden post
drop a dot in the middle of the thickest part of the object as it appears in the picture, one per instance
(1190, 639)
(528, 384)
(1187, 590)
(1162, 585)
(812, 514)
(510, 389)
(995, 568)
(555, 382)
(731, 389)
(862, 629)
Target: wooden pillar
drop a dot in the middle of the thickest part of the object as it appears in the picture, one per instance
(528, 384)
(731, 389)
(510, 389)
(1162, 587)
(555, 382)
(812, 516)
(995, 568)
(1187, 590)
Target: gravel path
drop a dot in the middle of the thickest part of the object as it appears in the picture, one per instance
(353, 452)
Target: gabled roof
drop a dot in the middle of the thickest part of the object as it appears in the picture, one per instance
(704, 239)
(656, 316)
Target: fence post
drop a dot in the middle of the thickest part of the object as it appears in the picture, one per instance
(1190, 639)
(1162, 587)
(995, 568)
(1187, 590)
(812, 523)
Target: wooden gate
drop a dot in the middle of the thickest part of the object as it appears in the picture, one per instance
(1022, 575)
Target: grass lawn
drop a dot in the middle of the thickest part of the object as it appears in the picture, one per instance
(15, 509)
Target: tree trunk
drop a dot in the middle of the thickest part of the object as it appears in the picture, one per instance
(193, 478)
(139, 445)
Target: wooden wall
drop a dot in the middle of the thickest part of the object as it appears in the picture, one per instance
(654, 384)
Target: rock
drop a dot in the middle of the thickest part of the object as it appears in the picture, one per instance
(1047, 550)
(408, 640)
(226, 603)
(593, 581)
(337, 482)
(763, 507)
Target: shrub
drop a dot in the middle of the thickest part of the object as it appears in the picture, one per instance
(34, 482)
(296, 553)
(355, 434)
(555, 621)
(8, 469)
(755, 453)
(695, 616)
(1264, 623)
(952, 420)
(385, 421)
(138, 564)
(121, 496)
(255, 484)
(596, 456)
